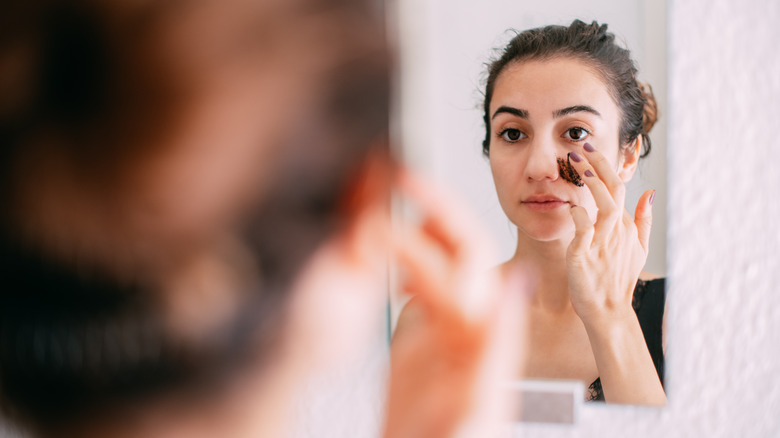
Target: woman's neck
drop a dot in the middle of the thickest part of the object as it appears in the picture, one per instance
(547, 262)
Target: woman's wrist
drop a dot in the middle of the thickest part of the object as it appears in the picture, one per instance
(613, 307)
(625, 366)
(606, 322)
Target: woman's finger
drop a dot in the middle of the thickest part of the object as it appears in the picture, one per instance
(608, 211)
(607, 174)
(446, 286)
(583, 231)
(458, 239)
(643, 218)
(443, 217)
(459, 235)
(425, 266)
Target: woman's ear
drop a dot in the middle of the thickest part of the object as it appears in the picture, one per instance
(629, 160)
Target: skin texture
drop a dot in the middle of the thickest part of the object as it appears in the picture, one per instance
(588, 251)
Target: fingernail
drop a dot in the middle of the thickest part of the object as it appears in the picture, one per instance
(588, 147)
(576, 158)
(588, 173)
(652, 197)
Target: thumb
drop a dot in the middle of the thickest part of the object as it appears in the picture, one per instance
(643, 218)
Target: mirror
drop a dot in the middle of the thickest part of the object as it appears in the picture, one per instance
(444, 50)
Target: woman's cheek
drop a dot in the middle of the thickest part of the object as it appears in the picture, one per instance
(503, 186)
(505, 172)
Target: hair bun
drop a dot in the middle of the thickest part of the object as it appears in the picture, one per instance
(650, 111)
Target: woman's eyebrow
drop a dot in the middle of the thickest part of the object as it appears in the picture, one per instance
(523, 114)
(575, 109)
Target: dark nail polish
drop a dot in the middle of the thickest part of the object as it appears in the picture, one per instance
(588, 147)
(574, 157)
(588, 173)
(652, 197)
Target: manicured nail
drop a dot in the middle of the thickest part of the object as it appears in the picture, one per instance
(588, 147)
(588, 173)
(652, 197)
(574, 157)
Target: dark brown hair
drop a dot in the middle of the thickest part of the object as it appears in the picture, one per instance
(592, 44)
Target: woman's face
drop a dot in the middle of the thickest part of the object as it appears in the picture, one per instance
(540, 111)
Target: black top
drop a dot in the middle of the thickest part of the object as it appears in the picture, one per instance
(649, 300)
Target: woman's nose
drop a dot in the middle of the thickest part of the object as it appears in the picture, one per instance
(542, 161)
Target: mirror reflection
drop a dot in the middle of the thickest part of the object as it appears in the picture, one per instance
(565, 117)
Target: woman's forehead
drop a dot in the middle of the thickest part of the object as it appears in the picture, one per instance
(541, 87)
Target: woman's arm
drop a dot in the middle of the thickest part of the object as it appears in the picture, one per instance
(603, 263)
(626, 369)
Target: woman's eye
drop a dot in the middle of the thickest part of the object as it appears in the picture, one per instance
(576, 133)
(512, 135)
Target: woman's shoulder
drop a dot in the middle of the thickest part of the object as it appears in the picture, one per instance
(650, 284)
(648, 276)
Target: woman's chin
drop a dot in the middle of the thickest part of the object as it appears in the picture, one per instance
(545, 226)
(548, 232)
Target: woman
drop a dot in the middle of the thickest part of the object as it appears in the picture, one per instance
(195, 217)
(570, 95)
(566, 123)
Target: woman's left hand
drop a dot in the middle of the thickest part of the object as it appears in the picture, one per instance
(605, 258)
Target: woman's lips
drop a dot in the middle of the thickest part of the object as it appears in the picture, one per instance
(543, 203)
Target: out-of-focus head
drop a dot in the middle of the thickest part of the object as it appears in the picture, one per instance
(167, 168)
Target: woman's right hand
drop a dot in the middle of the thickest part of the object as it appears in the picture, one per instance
(603, 264)
(450, 359)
